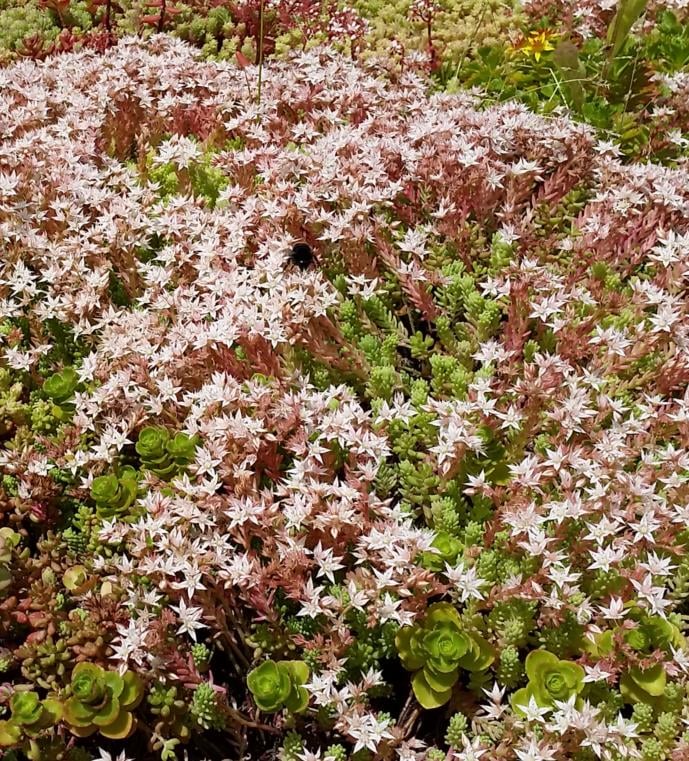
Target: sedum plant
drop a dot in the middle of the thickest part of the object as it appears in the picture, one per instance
(279, 684)
(29, 717)
(114, 494)
(60, 388)
(436, 649)
(102, 701)
(459, 431)
(162, 454)
(550, 679)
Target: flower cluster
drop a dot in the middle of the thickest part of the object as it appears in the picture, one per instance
(441, 466)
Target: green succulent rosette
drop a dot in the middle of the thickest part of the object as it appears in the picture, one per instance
(29, 717)
(447, 549)
(151, 446)
(436, 650)
(182, 449)
(279, 684)
(652, 633)
(114, 495)
(60, 387)
(26, 708)
(163, 455)
(102, 701)
(550, 679)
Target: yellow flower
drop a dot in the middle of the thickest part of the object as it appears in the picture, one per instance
(538, 43)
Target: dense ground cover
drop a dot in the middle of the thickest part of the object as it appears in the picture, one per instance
(404, 29)
(553, 55)
(415, 489)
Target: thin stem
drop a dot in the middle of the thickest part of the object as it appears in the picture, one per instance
(260, 53)
(161, 18)
(246, 722)
(470, 42)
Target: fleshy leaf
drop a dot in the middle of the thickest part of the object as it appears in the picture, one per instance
(440, 681)
(403, 644)
(426, 695)
(10, 734)
(537, 661)
(132, 692)
(121, 728)
(298, 670)
(298, 700)
(480, 655)
(651, 680)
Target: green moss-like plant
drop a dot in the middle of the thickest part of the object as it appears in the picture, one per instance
(102, 701)
(279, 684)
(436, 649)
(550, 679)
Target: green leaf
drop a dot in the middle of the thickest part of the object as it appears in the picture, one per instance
(61, 386)
(132, 691)
(105, 490)
(407, 648)
(426, 695)
(445, 645)
(88, 683)
(628, 12)
(182, 448)
(77, 714)
(10, 734)
(114, 682)
(441, 612)
(480, 655)
(121, 728)
(537, 661)
(651, 680)
(297, 700)
(632, 693)
(151, 445)
(75, 577)
(108, 713)
(53, 710)
(520, 698)
(26, 708)
(298, 670)
(440, 681)
(270, 685)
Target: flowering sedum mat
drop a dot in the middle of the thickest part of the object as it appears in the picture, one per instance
(416, 490)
